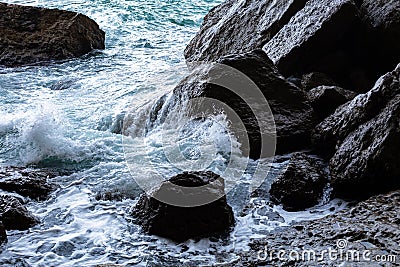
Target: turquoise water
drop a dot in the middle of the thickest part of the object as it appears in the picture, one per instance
(71, 130)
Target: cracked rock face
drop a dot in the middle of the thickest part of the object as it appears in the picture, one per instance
(29, 35)
(240, 26)
(362, 138)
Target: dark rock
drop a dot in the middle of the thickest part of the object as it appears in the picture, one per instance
(293, 115)
(31, 34)
(325, 99)
(14, 215)
(372, 225)
(181, 223)
(27, 182)
(320, 37)
(315, 79)
(235, 27)
(3, 234)
(382, 18)
(301, 185)
(364, 136)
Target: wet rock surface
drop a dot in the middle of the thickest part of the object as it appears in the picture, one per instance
(310, 35)
(223, 31)
(301, 185)
(363, 136)
(331, 37)
(372, 225)
(31, 34)
(292, 113)
(14, 215)
(182, 223)
(27, 182)
(325, 99)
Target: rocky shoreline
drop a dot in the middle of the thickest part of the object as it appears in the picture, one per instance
(317, 63)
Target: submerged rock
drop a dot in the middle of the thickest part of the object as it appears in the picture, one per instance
(301, 185)
(325, 99)
(14, 215)
(370, 226)
(32, 34)
(235, 27)
(364, 138)
(27, 182)
(182, 223)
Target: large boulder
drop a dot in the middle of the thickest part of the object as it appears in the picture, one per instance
(234, 27)
(180, 223)
(325, 99)
(14, 215)
(31, 34)
(324, 36)
(364, 138)
(27, 182)
(301, 185)
(293, 116)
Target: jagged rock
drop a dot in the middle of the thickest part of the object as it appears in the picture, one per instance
(30, 34)
(323, 37)
(315, 79)
(364, 138)
(3, 234)
(325, 99)
(370, 226)
(235, 27)
(181, 223)
(27, 182)
(382, 18)
(301, 185)
(293, 115)
(14, 215)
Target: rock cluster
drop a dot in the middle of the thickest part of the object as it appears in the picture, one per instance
(17, 183)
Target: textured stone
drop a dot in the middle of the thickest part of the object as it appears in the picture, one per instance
(30, 34)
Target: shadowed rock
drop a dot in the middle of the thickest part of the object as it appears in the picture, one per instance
(14, 215)
(364, 138)
(301, 185)
(325, 99)
(315, 79)
(182, 223)
(30, 34)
